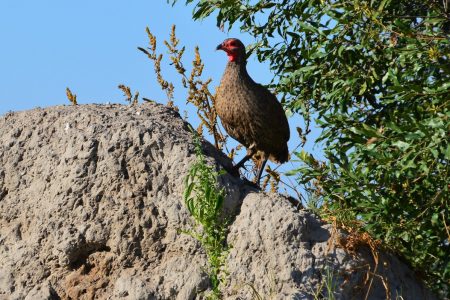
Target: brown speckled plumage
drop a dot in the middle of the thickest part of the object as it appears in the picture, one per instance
(249, 112)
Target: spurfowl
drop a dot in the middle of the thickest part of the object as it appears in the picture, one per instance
(249, 112)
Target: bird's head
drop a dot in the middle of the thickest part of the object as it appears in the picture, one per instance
(234, 49)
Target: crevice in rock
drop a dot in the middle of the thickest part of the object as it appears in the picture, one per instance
(123, 168)
(99, 196)
(94, 154)
(84, 252)
(54, 295)
(3, 193)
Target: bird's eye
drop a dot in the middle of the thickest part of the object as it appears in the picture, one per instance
(232, 43)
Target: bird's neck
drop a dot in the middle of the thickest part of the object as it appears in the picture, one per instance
(237, 71)
(237, 67)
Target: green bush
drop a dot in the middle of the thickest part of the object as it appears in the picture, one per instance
(375, 77)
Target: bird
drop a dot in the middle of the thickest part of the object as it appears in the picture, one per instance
(249, 112)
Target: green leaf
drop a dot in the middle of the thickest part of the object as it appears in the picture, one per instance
(363, 88)
(447, 152)
(394, 127)
(219, 202)
(435, 123)
(307, 27)
(443, 87)
(341, 48)
(435, 219)
(434, 152)
(370, 131)
(401, 145)
(383, 4)
(385, 78)
(305, 157)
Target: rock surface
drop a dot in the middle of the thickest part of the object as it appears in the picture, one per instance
(91, 207)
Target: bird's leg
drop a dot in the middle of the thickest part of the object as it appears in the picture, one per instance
(243, 161)
(250, 153)
(260, 171)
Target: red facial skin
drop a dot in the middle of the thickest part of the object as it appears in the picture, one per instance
(231, 47)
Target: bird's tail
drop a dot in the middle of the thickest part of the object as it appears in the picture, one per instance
(280, 156)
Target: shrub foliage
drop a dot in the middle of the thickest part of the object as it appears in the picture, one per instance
(375, 77)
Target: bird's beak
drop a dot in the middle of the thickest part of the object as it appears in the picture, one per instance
(219, 47)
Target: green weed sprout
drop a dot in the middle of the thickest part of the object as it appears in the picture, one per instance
(204, 200)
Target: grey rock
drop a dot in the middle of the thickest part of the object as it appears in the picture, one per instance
(42, 292)
(91, 207)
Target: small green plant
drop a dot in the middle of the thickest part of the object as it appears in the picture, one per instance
(204, 200)
(326, 288)
(72, 97)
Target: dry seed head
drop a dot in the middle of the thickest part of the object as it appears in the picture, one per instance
(197, 60)
(174, 60)
(72, 97)
(173, 38)
(171, 104)
(126, 90)
(129, 96)
(169, 47)
(136, 99)
(152, 40)
(181, 52)
(273, 185)
(274, 177)
(200, 129)
(198, 90)
(232, 153)
(180, 69)
(265, 182)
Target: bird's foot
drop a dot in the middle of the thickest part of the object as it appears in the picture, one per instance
(233, 171)
(253, 184)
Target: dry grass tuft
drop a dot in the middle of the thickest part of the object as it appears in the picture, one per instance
(355, 239)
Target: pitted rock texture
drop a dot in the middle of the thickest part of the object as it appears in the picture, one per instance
(91, 207)
(280, 252)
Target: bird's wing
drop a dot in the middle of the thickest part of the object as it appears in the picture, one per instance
(275, 123)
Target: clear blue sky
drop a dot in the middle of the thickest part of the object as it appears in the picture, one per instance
(91, 47)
